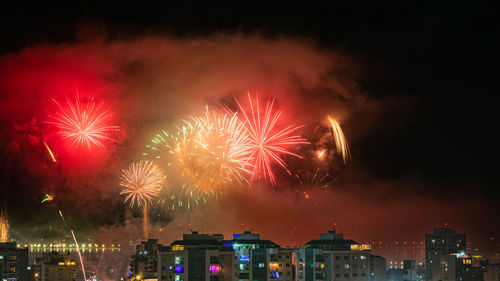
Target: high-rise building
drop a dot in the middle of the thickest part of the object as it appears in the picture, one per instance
(196, 257)
(413, 271)
(438, 246)
(13, 262)
(492, 272)
(395, 274)
(468, 268)
(378, 268)
(332, 258)
(54, 266)
(144, 264)
(260, 260)
(207, 257)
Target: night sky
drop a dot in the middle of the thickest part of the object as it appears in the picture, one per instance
(419, 113)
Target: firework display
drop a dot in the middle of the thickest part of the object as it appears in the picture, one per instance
(267, 140)
(51, 154)
(83, 123)
(177, 154)
(47, 198)
(4, 226)
(215, 151)
(141, 182)
(339, 138)
(224, 149)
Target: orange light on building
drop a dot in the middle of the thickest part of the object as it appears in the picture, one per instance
(177, 247)
(273, 266)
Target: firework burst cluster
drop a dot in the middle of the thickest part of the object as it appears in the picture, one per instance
(203, 157)
(219, 150)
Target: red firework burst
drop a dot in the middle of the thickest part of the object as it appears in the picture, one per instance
(84, 123)
(267, 141)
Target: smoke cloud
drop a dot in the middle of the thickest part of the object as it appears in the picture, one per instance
(152, 82)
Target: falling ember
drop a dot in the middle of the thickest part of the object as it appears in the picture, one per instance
(62, 217)
(47, 198)
(340, 140)
(267, 142)
(50, 152)
(321, 154)
(4, 227)
(84, 123)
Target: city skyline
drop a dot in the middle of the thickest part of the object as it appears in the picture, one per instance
(120, 123)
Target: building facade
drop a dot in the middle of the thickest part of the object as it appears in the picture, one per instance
(54, 267)
(261, 260)
(378, 268)
(196, 257)
(13, 262)
(438, 247)
(144, 264)
(332, 258)
(211, 258)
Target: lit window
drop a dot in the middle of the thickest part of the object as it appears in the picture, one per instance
(273, 266)
(177, 247)
(244, 258)
(179, 260)
(214, 269)
(346, 265)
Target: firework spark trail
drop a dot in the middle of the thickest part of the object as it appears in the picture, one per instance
(76, 244)
(84, 124)
(4, 226)
(79, 254)
(62, 217)
(318, 178)
(267, 141)
(50, 152)
(340, 140)
(47, 198)
(99, 264)
(141, 182)
(290, 235)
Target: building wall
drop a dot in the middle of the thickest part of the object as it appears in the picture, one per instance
(13, 261)
(442, 241)
(195, 264)
(318, 264)
(492, 272)
(378, 269)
